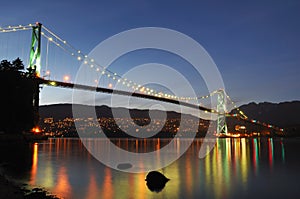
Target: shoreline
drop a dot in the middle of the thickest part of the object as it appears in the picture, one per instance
(10, 189)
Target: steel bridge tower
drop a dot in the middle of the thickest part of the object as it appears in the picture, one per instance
(221, 109)
(35, 68)
(35, 50)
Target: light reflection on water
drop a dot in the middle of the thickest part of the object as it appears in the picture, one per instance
(234, 168)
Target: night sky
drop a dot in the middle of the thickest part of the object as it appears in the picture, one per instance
(256, 45)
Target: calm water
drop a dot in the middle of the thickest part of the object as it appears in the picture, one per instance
(235, 168)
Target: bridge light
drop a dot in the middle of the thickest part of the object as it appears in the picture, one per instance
(52, 83)
(110, 85)
(78, 58)
(66, 78)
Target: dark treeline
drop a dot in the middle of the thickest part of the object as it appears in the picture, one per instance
(17, 87)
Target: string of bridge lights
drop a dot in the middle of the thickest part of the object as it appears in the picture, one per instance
(243, 116)
(91, 62)
(56, 40)
(63, 44)
(237, 108)
(15, 28)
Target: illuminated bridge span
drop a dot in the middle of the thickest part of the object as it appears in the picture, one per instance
(136, 90)
(125, 93)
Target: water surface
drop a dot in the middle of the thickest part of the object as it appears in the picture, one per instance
(235, 168)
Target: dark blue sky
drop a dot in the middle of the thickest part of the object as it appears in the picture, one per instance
(256, 45)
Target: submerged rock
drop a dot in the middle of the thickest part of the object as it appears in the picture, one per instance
(156, 181)
(124, 166)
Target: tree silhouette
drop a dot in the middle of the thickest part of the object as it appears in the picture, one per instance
(17, 64)
(18, 93)
(5, 65)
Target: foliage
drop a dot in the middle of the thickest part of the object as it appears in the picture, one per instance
(15, 65)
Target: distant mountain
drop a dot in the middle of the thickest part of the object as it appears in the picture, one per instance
(284, 115)
(61, 111)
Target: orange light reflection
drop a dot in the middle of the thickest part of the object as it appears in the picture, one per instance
(34, 163)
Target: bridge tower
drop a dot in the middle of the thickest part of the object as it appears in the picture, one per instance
(221, 109)
(35, 50)
(35, 67)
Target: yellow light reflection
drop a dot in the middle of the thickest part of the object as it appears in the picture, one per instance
(244, 162)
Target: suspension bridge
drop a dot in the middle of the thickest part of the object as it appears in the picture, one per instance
(39, 70)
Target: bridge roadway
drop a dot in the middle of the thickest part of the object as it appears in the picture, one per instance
(124, 93)
(140, 95)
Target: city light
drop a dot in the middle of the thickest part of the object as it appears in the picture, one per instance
(35, 130)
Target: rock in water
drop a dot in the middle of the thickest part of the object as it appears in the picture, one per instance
(156, 181)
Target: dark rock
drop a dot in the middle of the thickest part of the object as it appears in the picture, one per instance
(156, 181)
